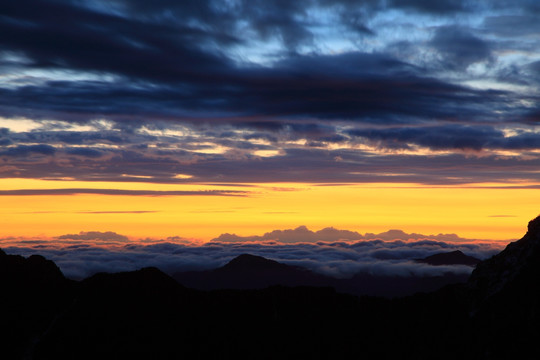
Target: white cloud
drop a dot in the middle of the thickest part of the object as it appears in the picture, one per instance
(339, 259)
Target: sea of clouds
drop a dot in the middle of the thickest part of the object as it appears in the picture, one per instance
(390, 253)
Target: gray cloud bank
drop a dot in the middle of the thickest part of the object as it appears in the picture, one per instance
(81, 255)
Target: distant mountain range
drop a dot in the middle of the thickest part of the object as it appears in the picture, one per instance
(146, 314)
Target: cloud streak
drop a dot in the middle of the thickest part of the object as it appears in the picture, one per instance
(34, 192)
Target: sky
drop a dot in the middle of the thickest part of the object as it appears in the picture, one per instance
(196, 121)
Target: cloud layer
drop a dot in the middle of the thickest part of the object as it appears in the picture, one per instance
(391, 253)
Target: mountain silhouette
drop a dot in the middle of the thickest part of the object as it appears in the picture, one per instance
(251, 272)
(506, 291)
(517, 260)
(255, 272)
(33, 291)
(450, 258)
(251, 262)
(146, 314)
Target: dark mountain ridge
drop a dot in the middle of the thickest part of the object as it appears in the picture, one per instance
(251, 272)
(33, 292)
(255, 272)
(518, 259)
(146, 314)
(456, 257)
(249, 262)
(505, 292)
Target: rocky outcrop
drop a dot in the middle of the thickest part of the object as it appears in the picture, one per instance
(519, 257)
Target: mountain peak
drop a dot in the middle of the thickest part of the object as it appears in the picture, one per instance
(493, 274)
(456, 257)
(534, 228)
(250, 262)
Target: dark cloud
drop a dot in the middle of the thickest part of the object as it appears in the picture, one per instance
(4, 137)
(164, 70)
(459, 48)
(79, 138)
(356, 21)
(363, 87)
(87, 152)
(100, 42)
(451, 8)
(534, 66)
(323, 86)
(25, 150)
(262, 19)
(512, 25)
(450, 137)
(519, 6)
(440, 7)
(532, 117)
(277, 18)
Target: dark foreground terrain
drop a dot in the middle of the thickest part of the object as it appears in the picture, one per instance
(255, 272)
(146, 314)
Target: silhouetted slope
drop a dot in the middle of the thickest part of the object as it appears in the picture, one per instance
(450, 258)
(251, 272)
(255, 272)
(139, 314)
(395, 286)
(146, 314)
(33, 291)
(506, 291)
(252, 262)
(34, 270)
(492, 275)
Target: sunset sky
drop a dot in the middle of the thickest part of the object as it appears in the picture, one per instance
(192, 119)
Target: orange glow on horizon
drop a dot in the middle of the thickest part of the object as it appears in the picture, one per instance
(481, 212)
